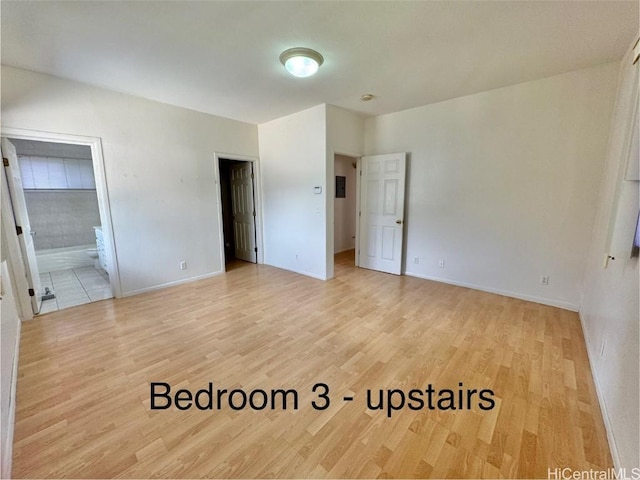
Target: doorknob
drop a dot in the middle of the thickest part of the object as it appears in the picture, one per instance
(399, 222)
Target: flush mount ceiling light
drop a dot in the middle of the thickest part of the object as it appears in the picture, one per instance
(301, 62)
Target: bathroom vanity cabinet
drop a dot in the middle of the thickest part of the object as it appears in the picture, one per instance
(100, 246)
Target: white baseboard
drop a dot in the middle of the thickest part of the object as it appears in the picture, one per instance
(599, 392)
(530, 298)
(171, 284)
(301, 272)
(7, 454)
(313, 275)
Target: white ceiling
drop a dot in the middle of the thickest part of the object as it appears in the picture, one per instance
(221, 57)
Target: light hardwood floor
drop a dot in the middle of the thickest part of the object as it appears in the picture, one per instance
(83, 406)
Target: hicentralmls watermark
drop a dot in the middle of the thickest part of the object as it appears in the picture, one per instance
(608, 474)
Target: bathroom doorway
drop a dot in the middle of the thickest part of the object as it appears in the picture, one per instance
(72, 258)
(238, 211)
(344, 212)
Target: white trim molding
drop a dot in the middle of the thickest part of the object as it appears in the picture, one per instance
(530, 298)
(172, 284)
(7, 454)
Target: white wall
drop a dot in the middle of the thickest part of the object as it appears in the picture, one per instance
(610, 306)
(345, 132)
(293, 160)
(344, 221)
(503, 185)
(296, 154)
(159, 162)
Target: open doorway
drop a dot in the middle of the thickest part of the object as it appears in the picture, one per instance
(345, 211)
(238, 205)
(59, 221)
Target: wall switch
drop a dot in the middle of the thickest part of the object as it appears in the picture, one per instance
(416, 260)
(544, 280)
(183, 265)
(441, 263)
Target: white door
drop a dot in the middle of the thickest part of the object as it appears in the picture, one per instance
(244, 215)
(14, 182)
(382, 212)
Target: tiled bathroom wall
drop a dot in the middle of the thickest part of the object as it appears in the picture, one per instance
(62, 218)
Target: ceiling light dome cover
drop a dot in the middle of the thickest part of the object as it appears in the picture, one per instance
(301, 62)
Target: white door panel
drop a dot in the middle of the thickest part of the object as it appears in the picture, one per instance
(382, 212)
(243, 211)
(16, 191)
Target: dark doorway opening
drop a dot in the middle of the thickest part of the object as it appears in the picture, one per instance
(237, 195)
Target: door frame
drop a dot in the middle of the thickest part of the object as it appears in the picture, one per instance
(95, 143)
(15, 260)
(257, 199)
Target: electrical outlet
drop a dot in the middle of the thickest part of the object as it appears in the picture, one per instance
(544, 280)
(416, 260)
(441, 263)
(183, 265)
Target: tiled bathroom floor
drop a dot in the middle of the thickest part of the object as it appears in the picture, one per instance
(75, 286)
